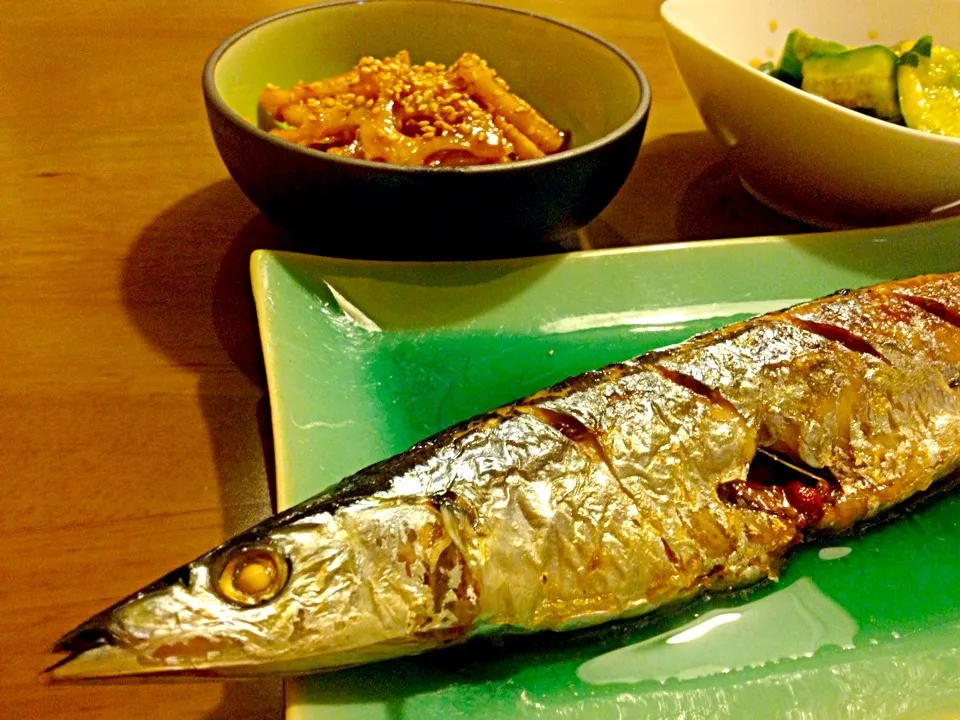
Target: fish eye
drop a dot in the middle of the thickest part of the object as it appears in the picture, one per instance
(252, 575)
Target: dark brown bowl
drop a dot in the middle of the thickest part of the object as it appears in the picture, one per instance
(338, 206)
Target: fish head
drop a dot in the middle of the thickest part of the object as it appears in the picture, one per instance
(317, 592)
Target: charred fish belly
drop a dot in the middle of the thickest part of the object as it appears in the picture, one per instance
(608, 495)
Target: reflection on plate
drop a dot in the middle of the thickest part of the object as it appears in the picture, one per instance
(364, 359)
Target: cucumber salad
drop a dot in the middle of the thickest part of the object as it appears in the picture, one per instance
(913, 83)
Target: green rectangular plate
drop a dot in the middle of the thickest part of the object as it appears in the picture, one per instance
(364, 359)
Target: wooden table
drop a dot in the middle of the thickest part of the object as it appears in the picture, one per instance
(134, 425)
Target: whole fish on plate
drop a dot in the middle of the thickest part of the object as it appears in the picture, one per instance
(692, 468)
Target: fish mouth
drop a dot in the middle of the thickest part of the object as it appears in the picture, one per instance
(106, 663)
(94, 654)
(110, 664)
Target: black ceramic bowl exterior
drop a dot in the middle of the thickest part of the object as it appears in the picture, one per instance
(338, 206)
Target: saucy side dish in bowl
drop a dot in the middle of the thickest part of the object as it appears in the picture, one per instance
(588, 89)
(801, 154)
(393, 111)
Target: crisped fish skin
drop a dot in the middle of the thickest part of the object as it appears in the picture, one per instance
(885, 425)
(892, 326)
(607, 495)
(621, 536)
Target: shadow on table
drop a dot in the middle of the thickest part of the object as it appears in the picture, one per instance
(683, 188)
(186, 284)
(689, 191)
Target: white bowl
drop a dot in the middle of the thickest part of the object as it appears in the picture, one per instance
(799, 154)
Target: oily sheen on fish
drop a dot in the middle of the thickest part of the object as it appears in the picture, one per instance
(609, 495)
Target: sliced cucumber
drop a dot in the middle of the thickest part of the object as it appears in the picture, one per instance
(862, 79)
(928, 81)
(798, 47)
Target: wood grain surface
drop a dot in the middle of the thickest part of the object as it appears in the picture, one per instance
(134, 425)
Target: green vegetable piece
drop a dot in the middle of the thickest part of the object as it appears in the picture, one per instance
(929, 89)
(921, 49)
(799, 47)
(767, 68)
(266, 121)
(863, 79)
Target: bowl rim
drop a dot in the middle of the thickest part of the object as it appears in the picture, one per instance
(213, 96)
(669, 13)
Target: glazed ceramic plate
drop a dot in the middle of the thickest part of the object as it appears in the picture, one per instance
(364, 359)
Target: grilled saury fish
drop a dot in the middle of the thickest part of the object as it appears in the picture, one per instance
(692, 468)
